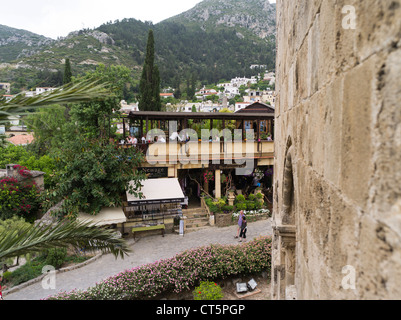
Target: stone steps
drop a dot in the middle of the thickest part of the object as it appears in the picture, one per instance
(197, 222)
(196, 218)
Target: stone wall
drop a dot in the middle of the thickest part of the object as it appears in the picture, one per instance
(225, 219)
(337, 204)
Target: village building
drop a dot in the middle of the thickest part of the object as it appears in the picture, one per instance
(12, 171)
(184, 161)
(166, 95)
(21, 139)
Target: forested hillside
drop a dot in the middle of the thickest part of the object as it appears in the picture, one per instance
(16, 43)
(217, 39)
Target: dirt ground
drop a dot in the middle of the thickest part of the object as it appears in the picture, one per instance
(262, 291)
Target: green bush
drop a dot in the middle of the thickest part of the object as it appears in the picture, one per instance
(28, 271)
(259, 196)
(219, 204)
(241, 206)
(20, 155)
(55, 257)
(18, 199)
(208, 291)
(251, 197)
(250, 205)
(228, 208)
(7, 276)
(240, 198)
(215, 206)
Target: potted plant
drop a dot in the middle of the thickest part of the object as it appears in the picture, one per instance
(208, 176)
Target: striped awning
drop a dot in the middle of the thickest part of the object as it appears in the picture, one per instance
(158, 191)
(106, 217)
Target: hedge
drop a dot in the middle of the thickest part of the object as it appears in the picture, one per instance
(183, 272)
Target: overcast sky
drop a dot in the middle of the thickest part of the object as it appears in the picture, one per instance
(57, 18)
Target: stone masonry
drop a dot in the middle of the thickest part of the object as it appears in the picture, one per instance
(337, 206)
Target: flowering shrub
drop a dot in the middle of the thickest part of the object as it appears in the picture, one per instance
(208, 176)
(19, 199)
(208, 291)
(23, 171)
(180, 273)
(250, 214)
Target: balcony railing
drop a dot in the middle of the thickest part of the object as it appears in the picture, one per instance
(173, 152)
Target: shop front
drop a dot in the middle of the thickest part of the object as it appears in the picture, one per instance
(157, 207)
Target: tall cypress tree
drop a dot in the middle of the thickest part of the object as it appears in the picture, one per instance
(149, 87)
(67, 72)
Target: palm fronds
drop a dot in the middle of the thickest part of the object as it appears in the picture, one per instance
(78, 234)
(81, 91)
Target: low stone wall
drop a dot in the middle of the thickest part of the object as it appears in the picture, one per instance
(63, 270)
(225, 219)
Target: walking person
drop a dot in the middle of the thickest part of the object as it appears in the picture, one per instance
(244, 229)
(241, 215)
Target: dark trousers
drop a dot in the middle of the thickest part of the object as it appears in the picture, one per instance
(243, 233)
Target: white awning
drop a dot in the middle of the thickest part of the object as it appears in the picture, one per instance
(106, 217)
(158, 191)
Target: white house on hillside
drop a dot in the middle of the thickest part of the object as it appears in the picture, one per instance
(43, 90)
(241, 105)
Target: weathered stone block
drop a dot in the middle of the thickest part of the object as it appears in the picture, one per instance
(356, 160)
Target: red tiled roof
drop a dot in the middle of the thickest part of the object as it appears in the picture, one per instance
(21, 139)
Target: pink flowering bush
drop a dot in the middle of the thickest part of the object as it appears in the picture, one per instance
(19, 199)
(183, 272)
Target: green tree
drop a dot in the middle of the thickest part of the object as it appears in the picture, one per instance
(149, 98)
(177, 90)
(95, 174)
(15, 223)
(19, 241)
(191, 82)
(67, 78)
(47, 125)
(92, 117)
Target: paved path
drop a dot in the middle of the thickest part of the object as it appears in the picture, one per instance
(144, 251)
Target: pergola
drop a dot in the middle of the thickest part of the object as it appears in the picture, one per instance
(147, 118)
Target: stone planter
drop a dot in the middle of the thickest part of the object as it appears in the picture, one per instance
(224, 220)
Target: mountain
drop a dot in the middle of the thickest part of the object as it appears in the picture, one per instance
(251, 16)
(217, 39)
(16, 43)
(220, 39)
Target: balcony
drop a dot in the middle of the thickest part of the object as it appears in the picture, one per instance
(204, 153)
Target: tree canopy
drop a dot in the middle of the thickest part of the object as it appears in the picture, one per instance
(150, 81)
